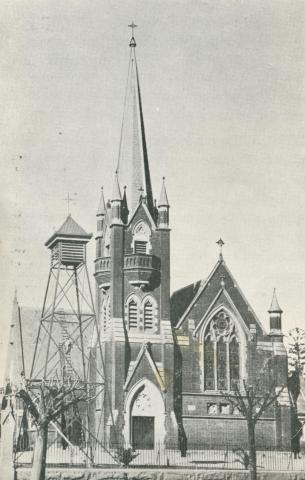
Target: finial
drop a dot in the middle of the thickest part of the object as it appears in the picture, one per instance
(220, 243)
(132, 42)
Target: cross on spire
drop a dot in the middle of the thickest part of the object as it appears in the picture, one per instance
(69, 201)
(132, 42)
(132, 26)
(220, 243)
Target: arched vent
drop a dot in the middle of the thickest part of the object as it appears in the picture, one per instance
(148, 316)
(133, 314)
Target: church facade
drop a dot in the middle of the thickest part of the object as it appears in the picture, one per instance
(171, 361)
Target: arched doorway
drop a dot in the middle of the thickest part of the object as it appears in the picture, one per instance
(144, 416)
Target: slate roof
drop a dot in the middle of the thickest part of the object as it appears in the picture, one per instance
(69, 229)
(181, 299)
(207, 291)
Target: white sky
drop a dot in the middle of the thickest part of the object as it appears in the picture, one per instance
(223, 95)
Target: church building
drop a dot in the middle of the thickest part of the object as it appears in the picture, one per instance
(170, 360)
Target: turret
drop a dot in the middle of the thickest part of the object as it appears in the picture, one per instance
(275, 318)
(163, 208)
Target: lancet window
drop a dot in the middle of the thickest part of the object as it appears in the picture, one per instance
(221, 358)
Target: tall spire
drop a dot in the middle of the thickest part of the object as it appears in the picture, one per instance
(133, 167)
(14, 360)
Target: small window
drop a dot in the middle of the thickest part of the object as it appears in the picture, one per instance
(148, 316)
(133, 314)
(225, 408)
(140, 247)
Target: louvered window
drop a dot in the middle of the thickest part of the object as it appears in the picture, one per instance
(133, 314)
(148, 316)
(140, 247)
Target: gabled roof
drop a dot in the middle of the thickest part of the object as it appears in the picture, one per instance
(142, 205)
(69, 229)
(145, 352)
(208, 290)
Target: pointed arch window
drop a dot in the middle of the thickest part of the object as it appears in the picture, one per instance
(148, 315)
(221, 358)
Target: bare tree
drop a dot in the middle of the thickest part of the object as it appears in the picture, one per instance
(252, 401)
(296, 350)
(53, 402)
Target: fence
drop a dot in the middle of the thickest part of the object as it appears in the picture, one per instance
(196, 458)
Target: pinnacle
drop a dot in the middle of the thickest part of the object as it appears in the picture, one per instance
(163, 200)
(101, 207)
(116, 192)
(274, 307)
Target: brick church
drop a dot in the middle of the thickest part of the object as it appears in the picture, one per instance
(168, 359)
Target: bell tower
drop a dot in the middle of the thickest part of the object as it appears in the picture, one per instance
(132, 271)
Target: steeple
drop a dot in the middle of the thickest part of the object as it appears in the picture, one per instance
(133, 167)
(14, 360)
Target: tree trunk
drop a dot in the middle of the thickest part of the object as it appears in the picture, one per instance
(40, 453)
(252, 449)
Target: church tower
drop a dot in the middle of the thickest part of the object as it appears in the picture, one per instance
(132, 271)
